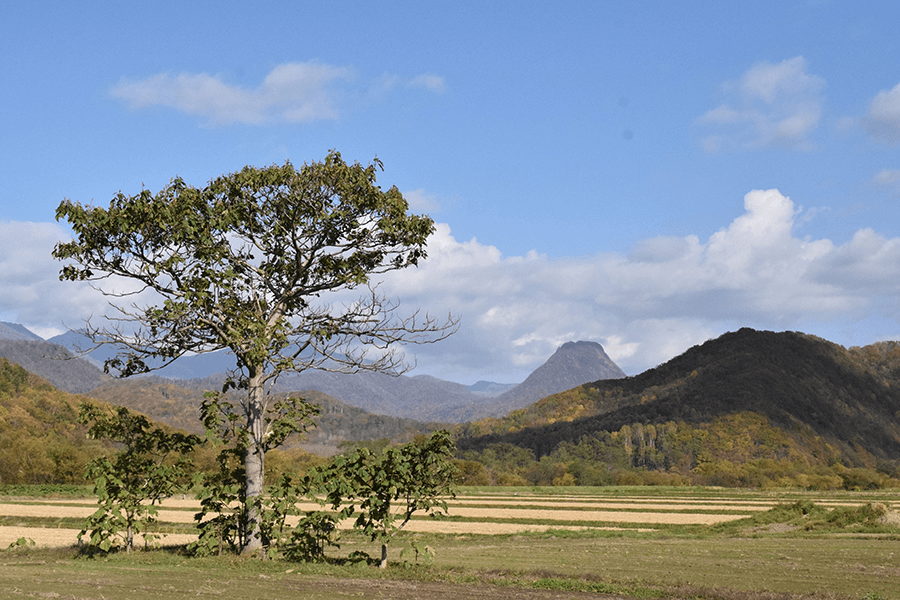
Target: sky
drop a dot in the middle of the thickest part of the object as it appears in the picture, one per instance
(646, 175)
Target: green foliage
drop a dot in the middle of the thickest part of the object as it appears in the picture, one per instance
(13, 378)
(385, 490)
(22, 543)
(46, 490)
(417, 550)
(130, 484)
(313, 534)
(736, 450)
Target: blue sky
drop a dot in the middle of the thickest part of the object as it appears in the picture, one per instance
(647, 175)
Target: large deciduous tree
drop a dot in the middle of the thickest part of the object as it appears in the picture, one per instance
(246, 264)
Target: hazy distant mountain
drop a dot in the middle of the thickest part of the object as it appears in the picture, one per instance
(573, 364)
(54, 363)
(14, 331)
(426, 398)
(421, 397)
(490, 388)
(186, 367)
(177, 403)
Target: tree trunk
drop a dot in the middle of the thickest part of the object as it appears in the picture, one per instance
(254, 465)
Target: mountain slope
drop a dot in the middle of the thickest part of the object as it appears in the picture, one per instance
(794, 380)
(54, 363)
(573, 364)
(40, 439)
(14, 331)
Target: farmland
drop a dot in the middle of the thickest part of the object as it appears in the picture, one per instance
(636, 542)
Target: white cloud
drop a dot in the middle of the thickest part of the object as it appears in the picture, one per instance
(291, 92)
(430, 82)
(299, 92)
(644, 306)
(887, 177)
(771, 105)
(419, 201)
(30, 290)
(883, 119)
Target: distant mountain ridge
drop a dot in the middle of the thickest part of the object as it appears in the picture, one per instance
(177, 403)
(423, 398)
(14, 331)
(54, 363)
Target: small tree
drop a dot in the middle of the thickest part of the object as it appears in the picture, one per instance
(130, 484)
(242, 264)
(390, 487)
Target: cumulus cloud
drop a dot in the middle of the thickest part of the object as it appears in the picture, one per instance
(645, 306)
(883, 119)
(771, 105)
(30, 290)
(291, 93)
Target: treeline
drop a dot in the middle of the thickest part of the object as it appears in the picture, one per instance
(739, 450)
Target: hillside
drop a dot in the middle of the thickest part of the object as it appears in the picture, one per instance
(40, 439)
(14, 331)
(811, 389)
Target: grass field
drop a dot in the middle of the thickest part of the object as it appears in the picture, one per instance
(498, 543)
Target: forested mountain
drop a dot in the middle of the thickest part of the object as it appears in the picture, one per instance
(751, 408)
(820, 399)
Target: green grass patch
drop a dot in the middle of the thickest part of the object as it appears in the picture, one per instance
(805, 516)
(46, 491)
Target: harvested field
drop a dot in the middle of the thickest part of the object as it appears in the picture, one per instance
(606, 540)
(486, 514)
